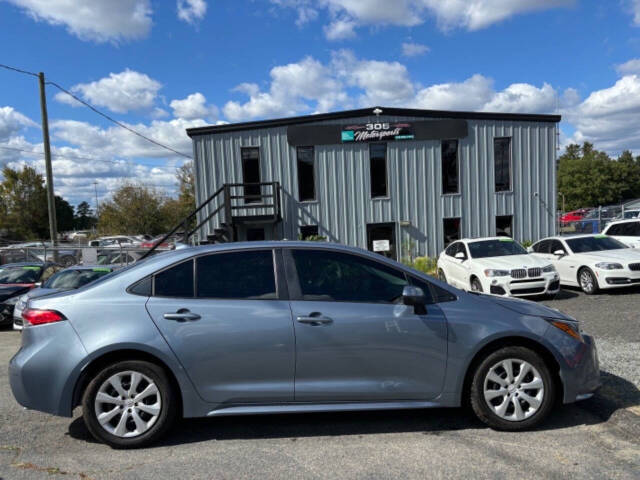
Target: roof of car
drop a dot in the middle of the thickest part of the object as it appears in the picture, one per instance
(569, 237)
(27, 264)
(626, 220)
(89, 267)
(483, 239)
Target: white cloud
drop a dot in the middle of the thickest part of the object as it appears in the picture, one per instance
(192, 107)
(635, 9)
(523, 97)
(346, 15)
(630, 67)
(609, 118)
(97, 20)
(191, 11)
(12, 122)
(119, 92)
(410, 49)
(471, 94)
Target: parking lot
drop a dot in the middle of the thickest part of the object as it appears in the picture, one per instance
(597, 438)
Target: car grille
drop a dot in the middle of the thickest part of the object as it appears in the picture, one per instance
(518, 273)
(635, 267)
(535, 272)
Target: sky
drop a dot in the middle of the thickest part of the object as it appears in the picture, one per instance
(161, 66)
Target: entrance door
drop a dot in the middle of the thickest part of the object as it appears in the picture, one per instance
(381, 238)
(251, 174)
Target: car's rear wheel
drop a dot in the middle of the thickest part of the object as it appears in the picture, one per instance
(129, 404)
(587, 280)
(512, 389)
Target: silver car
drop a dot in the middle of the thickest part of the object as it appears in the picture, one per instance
(274, 327)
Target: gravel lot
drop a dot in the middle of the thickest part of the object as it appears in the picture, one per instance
(597, 438)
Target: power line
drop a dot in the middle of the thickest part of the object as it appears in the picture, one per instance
(18, 70)
(75, 157)
(120, 124)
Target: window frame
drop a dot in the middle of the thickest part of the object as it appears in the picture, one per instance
(510, 150)
(386, 195)
(442, 172)
(313, 169)
(278, 271)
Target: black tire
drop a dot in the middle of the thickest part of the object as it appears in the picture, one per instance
(480, 405)
(165, 419)
(588, 287)
(441, 276)
(476, 286)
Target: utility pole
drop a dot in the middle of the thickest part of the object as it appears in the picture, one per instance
(95, 187)
(51, 201)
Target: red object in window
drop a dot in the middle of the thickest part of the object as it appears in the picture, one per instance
(39, 317)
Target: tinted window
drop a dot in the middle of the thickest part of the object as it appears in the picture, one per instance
(555, 245)
(251, 173)
(306, 177)
(502, 164)
(378, 165)
(541, 247)
(615, 230)
(451, 230)
(594, 244)
(176, 281)
(239, 275)
(452, 249)
(337, 276)
(495, 248)
(449, 152)
(26, 274)
(71, 279)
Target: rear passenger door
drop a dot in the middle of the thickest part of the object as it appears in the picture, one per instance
(355, 340)
(227, 318)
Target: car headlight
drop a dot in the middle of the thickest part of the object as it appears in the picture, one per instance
(609, 266)
(549, 269)
(491, 272)
(571, 328)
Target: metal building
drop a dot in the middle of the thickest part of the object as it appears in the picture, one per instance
(398, 181)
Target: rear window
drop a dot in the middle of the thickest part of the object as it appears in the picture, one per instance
(72, 279)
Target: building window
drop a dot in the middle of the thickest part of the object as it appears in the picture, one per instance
(502, 162)
(378, 166)
(449, 153)
(306, 176)
(307, 231)
(251, 173)
(504, 225)
(451, 230)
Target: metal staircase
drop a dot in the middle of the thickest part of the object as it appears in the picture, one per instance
(234, 204)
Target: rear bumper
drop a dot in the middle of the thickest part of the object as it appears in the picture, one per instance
(42, 374)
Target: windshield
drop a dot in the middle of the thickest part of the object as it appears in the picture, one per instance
(26, 274)
(72, 279)
(495, 248)
(594, 244)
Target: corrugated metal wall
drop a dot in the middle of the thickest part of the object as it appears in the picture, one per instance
(344, 205)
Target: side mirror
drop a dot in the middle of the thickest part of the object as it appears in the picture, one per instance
(414, 296)
(460, 256)
(559, 253)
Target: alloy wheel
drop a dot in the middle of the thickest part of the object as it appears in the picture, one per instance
(586, 281)
(127, 404)
(513, 389)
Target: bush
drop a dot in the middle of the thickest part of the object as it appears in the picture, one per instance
(423, 264)
(313, 238)
(526, 243)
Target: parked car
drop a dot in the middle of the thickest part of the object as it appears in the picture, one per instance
(40, 251)
(574, 216)
(116, 242)
(626, 231)
(591, 262)
(498, 266)
(628, 214)
(67, 279)
(594, 220)
(275, 327)
(18, 278)
(78, 236)
(115, 257)
(167, 244)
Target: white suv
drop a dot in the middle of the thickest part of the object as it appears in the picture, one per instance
(625, 231)
(496, 265)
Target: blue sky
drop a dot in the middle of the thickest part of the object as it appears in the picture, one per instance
(162, 66)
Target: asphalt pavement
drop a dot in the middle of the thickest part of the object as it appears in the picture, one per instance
(597, 438)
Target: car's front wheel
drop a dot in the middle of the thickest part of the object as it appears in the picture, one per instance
(476, 286)
(512, 389)
(129, 404)
(588, 282)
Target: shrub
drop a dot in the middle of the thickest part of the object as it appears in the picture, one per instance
(423, 264)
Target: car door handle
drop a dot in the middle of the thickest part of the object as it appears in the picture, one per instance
(182, 315)
(314, 320)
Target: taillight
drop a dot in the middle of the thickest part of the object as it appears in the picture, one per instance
(39, 317)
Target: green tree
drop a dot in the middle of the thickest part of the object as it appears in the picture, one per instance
(64, 215)
(133, 209)
(23, 204)
(84, 218)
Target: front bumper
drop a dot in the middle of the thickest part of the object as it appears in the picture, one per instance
(546, 284)
(43, 372)
(617, 278)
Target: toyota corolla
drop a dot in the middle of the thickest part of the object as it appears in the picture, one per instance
(275, 327)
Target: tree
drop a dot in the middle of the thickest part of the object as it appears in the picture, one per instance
(133, 209)
(64, 215)
(84, 218)
(23, 204)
